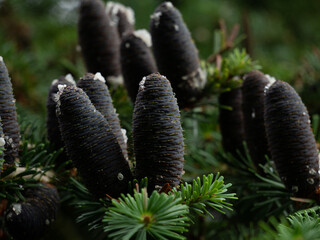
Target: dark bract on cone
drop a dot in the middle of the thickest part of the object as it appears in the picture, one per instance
(231, 121)
(91, 144)
(291, 141)
(136, 60)
(253, 116)
(31, 219)
(157, 133)
(8, 116)
(52, 123)
(176, 54)
(122, 17)
(99, 41)
(97, 91)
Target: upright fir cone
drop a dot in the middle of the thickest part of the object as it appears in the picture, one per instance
(176, 54)
(97, 91)
(121, 16)
(52, 122)
(8, 116)
(291, 141)
(231, 121)
(2, 143)
(91, 145)
(30, 220)
(99, 41)
(253, 115)
(136, 60)
(157, 133)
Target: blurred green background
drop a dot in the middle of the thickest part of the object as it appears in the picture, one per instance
(38, 41)
(38, 38)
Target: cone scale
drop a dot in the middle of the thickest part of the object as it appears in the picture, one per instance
(99, 40)
(253, 116)
(8, 116)
(122, 17)
(53, 130)
(176, 54)
(31, 219)
(136, 61)
(98, 93)
(91, 144)
(157, 133)
(231, 121)
(291, 141)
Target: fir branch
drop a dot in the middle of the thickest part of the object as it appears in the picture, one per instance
(36, 164)
(303, 224)
(261, 192)
(211, 192)
(159, 216)
(226, 73)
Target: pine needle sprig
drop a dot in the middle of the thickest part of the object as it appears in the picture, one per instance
(36, 164)
(225, 74)
(260, 191)
(88, 209)
(211, 192)
(159, 216)
(303, 224)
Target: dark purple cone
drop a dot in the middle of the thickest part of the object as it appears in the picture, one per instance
(291, 141)
(122, 17)
(8, 116)
(99, 40)
(98, 93)
(136, 62)
(31, 219)
(253, 116)
(231, 121)
(176, 54)
(2, 143)
(53, 130)
(91, 145)
(157, 133)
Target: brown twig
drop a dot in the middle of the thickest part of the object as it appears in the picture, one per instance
(228, 38)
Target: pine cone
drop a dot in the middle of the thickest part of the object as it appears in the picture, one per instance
(53, 130)
(176, 54)
(99, 41)
(136, 60)
(253, 116)
(122, 17)
(231, 121)
(97, 91)
(291, 141)
(2, 144)
(30, 220)
(157, 133)
(8, 116)
(91, 145)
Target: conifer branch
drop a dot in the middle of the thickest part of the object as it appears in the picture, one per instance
(210, 193)
(159, 216)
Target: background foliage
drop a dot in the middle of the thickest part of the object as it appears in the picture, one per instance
(38, 41)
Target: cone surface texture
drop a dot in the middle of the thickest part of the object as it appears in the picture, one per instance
(157, 133)
(231, 121)
(91, 144)
(291, 141)
(30, 220)
(53, 130)
(8, 116)
(99, 95)
(99, 40)
(136, 62)
(253, 116)
(176, 54)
